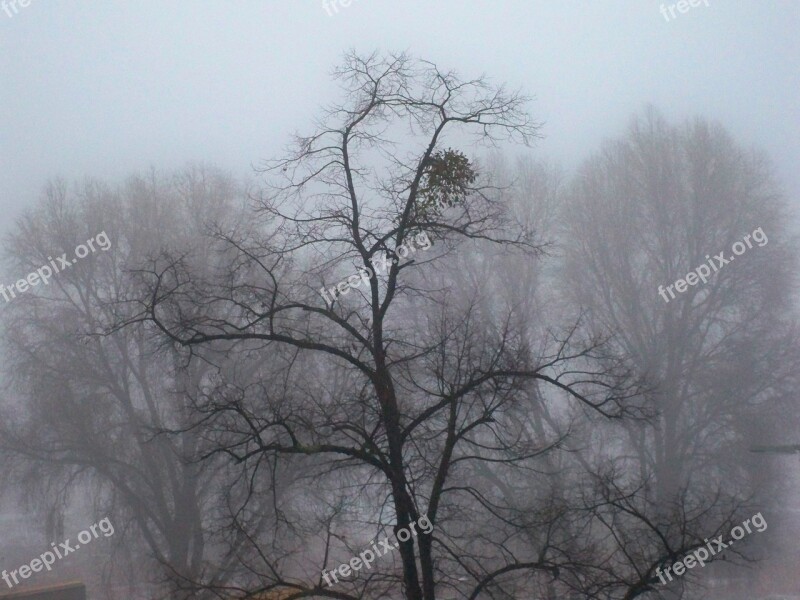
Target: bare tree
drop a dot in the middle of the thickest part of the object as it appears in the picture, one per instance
(91, 407)
(645, 211)
(400, 399)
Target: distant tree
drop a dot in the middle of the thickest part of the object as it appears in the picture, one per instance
(90, 408)
(718, 358)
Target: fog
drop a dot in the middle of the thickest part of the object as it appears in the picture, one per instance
(212, 341)
(106, 89)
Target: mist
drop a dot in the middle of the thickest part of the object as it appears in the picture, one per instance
(355, 299)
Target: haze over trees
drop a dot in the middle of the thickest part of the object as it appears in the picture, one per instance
(517, 379)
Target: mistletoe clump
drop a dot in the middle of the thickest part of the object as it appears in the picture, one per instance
(446, 182)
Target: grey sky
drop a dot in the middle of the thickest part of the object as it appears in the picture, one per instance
(107, 88)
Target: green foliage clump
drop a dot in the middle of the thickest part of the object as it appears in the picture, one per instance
(446, 182)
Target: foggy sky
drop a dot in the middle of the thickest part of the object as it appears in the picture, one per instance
(108, 88)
